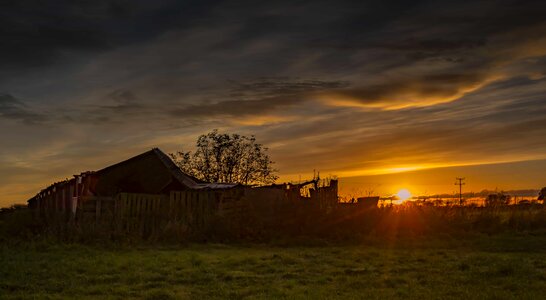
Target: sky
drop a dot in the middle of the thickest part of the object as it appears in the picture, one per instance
(521, 178)
(358, 89)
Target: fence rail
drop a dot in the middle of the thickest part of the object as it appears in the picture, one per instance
(147, 214)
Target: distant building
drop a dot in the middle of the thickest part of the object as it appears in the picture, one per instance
(368, 202)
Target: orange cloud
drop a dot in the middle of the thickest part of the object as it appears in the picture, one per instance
(427, 91)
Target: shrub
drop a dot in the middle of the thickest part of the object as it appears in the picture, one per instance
(17, 222)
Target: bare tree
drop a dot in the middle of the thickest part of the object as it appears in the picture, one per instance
(497, 199)
(232, 158)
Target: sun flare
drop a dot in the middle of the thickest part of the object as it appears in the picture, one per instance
(403, 194)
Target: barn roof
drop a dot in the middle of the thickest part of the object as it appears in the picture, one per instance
(185, 179)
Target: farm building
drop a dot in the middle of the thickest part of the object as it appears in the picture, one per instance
(151, 172)
(368, 202)
(149, 194)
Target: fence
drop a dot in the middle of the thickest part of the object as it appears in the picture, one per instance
(192, 210)
(146, 213)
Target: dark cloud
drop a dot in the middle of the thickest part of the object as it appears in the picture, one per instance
(123, 96)
(281, 86)
(35, 33)
(260, 97)
(413, 91)
(236, 108)
(121, 102)
(12, 108)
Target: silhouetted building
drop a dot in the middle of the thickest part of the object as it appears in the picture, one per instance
(151, 172)
(368, 202)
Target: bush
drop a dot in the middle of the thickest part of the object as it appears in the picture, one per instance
(17, 222)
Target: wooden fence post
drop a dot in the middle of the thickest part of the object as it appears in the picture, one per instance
(98, 210)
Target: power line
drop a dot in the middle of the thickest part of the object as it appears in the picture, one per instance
(460, 183)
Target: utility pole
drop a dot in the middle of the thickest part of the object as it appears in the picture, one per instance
(460, 183)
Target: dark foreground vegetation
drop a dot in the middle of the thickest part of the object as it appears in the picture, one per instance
(293, 224)
(398, 252)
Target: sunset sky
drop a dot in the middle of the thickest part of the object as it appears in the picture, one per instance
(363, 89)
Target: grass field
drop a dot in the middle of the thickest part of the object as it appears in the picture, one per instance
(482, 267)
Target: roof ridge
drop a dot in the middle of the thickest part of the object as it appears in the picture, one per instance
(182, 177)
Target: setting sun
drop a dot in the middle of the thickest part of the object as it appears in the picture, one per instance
(403, 194)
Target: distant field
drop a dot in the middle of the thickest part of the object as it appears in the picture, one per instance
(497, 267)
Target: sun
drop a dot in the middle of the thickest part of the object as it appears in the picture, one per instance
(403, 194)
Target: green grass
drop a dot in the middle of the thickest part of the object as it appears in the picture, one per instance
(481, 267)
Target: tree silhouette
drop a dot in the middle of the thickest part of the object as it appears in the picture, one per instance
(227, 158)
(497, 199)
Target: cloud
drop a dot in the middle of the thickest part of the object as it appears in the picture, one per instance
(38, 34)
(12, 108)
(281, 86)
(236, 108)
(345, 86)
(501, 122)
(256, 100)
(118, 102)
(409, 92)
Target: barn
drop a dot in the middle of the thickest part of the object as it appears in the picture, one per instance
(151, 172)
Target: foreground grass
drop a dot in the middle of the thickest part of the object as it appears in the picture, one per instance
(499, 267)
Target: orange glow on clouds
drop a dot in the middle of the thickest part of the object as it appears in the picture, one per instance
(406, 97)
